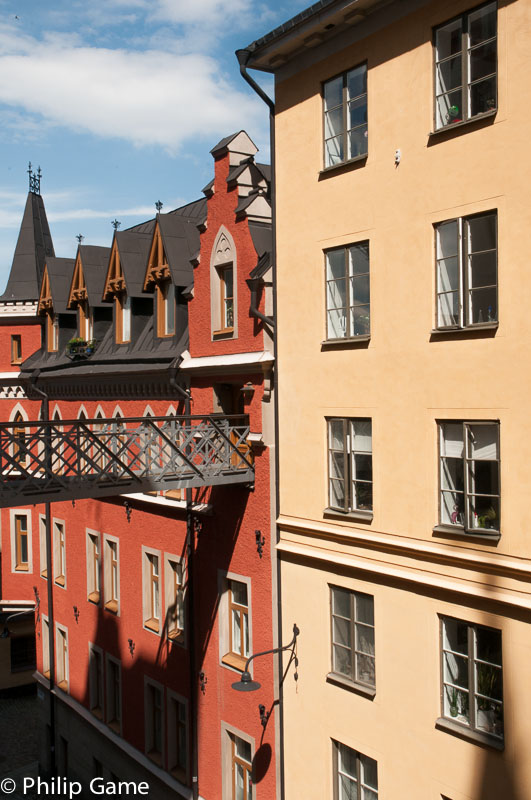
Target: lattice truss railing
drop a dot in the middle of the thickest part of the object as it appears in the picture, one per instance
(69, 459)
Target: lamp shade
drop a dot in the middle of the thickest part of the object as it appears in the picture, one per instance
(246, 684)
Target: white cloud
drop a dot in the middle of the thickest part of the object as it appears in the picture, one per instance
(146, 212)
(148, 98)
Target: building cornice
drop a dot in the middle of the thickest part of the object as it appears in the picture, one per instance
(236, 362)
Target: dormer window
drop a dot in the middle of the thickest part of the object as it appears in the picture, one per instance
(165, 309)
(85, 321)
(123, 318)
(52, 331)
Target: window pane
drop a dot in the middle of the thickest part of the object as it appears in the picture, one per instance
(337, 494)
(448, 309)
(341, 631)
(362, 467)
(333, 122)
(347, 760)
(341, 602)
(482, 269)
(243, 749)
(337, 294)
(361, 435)
(357, 81)
(360, 321)
(482, 233)
(365, 639)
(448, 39)
(488, 645)
(347, 788)
(365, 669)
(456, 670)
(365, 608)
(455, 636)
(359, 259)
(449, 108)
(369, 772)
(447, 239)
(482, 24)
(337, 324)
(343, 660)
(335, 428)
(489, 681)
(484, 477)
(333, 151)
(482, 61)
(363, 496)
(448, 274)
(489, 717)
(485, 512)
(452, 474)
(452, 439)
(483, 441)
(170, 309)
(335, 264)
(483, 96)
(483, 306)
(333, 93)
(456, 704)
(357, 112)
(452, 508)
(360, 290)
(449, 75)
(357, 141)
(337, 465)
(239, 593)
(369, 794)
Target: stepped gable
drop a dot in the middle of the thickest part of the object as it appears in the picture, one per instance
(34, 246)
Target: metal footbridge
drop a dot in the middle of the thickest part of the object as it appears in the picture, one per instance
(44, 461)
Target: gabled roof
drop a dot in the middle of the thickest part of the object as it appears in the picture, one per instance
(55, 282)
(239, 142)
(34, 246)
(89, 273)
(179, 236)
(130, 249)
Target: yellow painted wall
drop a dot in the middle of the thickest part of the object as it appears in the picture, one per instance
(405, 379)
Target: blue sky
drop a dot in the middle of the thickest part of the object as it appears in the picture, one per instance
(119, 102)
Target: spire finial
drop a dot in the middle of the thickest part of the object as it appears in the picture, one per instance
(34, 179)
(115, 224)
(158, 205)
(80, 237)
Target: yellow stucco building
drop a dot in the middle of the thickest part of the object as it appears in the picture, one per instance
(403, 171)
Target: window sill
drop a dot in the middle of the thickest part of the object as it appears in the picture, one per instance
(356, 516)
(176, 637)
(235, 661)
(112, 606)
(476, 737)
(44, 574)
(97, 712)
(63, 686)
(354, 341)
(60, 581)
(225, 333)
(114, 725)
(461, 533)
(466, 123)
(345, 683)
(22, 568)
(351, 162)
(94, 597)
(152, 625)
(468, 331)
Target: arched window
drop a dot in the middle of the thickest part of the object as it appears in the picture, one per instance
(223, 288)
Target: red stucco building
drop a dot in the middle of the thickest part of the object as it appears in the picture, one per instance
(158, 598)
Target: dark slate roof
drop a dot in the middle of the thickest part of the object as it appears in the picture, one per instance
(95, 261)
(34, 245)
(180, 237)
(262, 237)
(196, 210)
(142, 227)
(290, 24)
(133, 248)
(60, 272)
(265, 169)
(207, 189)
(224, 142)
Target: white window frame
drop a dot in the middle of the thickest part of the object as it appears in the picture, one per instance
(62, 669)
(358, 779)
(175, 606)
(228, 734)
(353, 328)
(151, 608)
(349, 477)
(43, 570)
(94, 566)
(15, 567)
(227, 657)
(59, 553)
(111, 588)
(341, 113)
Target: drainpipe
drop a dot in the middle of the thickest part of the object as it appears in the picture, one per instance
(45, 416)
(252, 283)
(190, 597)
(243, 57)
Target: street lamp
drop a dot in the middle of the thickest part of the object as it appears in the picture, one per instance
(246, 683)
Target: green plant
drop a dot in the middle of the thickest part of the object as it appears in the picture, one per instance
(488, 519)
(76, 340)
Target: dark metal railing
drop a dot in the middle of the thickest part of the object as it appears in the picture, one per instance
(69, 459)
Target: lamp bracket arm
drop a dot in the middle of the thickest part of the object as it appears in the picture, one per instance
(289, 646)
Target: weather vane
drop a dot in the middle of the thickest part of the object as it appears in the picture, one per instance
(34, 179)
(158, 205)
(80, 237)
(115, 224)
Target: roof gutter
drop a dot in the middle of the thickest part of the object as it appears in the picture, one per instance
(243, 57)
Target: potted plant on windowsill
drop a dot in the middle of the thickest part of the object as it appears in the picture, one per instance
(77, 346)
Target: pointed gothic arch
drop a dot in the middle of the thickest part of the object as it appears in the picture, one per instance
(223, 286)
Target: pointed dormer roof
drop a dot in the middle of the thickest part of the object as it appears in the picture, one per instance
(34, 246)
